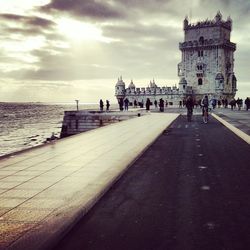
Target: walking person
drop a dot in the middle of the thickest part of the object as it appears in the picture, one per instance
(190, 107)
(156, 104)
(247, 103)
(107, 105)
(161, 105)
(180, 104)
(205, 104)
(239, 103)
(121, 104)
(126, 102)
(148, 104)
(101, 105)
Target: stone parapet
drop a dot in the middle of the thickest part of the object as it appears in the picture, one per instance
(75, 122)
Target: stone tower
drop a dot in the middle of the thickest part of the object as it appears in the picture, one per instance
(120, 89)
(207, 65)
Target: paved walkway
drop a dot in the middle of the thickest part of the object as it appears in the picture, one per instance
(188, 191)
(44, 191)
(239, 119)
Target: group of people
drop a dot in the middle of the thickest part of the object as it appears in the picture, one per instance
(188, 103)
(101, 103)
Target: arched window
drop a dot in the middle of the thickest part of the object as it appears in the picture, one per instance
(201, 40)
(200, 53)
(200, 81)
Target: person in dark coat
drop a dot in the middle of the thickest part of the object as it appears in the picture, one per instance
(148, 104)
(161, 105)
(155, 103)
(107, 105)
(126, 102)
(121, 104)
(101, 105)
(247, 103)
(189, 106)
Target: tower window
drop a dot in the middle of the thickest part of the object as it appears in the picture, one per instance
(200, 53)
(199, 67)
(200, 81)
(201, 40)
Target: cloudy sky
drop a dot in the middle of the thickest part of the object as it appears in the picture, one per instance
(62, 50)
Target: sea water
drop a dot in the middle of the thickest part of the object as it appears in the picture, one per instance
(25, 125)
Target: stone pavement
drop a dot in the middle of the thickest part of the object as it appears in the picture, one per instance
(238, 121)
(45, 190)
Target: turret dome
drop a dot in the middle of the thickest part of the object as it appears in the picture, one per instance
(120, 82)
(131, 85)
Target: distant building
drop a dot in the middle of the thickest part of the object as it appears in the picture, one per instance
(206, 67)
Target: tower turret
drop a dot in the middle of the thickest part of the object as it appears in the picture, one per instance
(218, 17)
(120, 89)
(185, 23)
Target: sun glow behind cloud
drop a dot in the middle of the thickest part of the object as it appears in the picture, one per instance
(79, 31)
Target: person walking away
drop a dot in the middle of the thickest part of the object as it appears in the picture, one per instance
(232, 103)
(161, 105)
(107, 105)
(156, 104)
(147, 104)
(121, 104)
(213, 103)
(101, 105)
(239, 103)
(180, 104)
(126, 102)
(247, 103)
(166, 103)
(190, 107)
(205, 104)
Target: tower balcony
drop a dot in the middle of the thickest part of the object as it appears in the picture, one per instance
(208, 44)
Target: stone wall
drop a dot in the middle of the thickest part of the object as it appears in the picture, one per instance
(75, 122)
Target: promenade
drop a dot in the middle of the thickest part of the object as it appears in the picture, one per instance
(188, 191)
(45, 190)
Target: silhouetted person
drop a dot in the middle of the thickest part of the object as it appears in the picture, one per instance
(247, 103)
(147, 104)
(239, 103)
(189, 106)
(156, 104)
(121, 104)
(126, 102)
(107, 105)
(101, 105)
(180, 104)
(161, 105)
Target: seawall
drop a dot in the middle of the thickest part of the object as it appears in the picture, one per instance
(75, 122)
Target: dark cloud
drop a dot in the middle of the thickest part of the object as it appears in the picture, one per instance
(85, 8)
(28, 20)
(24, 25)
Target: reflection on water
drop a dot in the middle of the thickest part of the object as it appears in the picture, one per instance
(24, 125)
